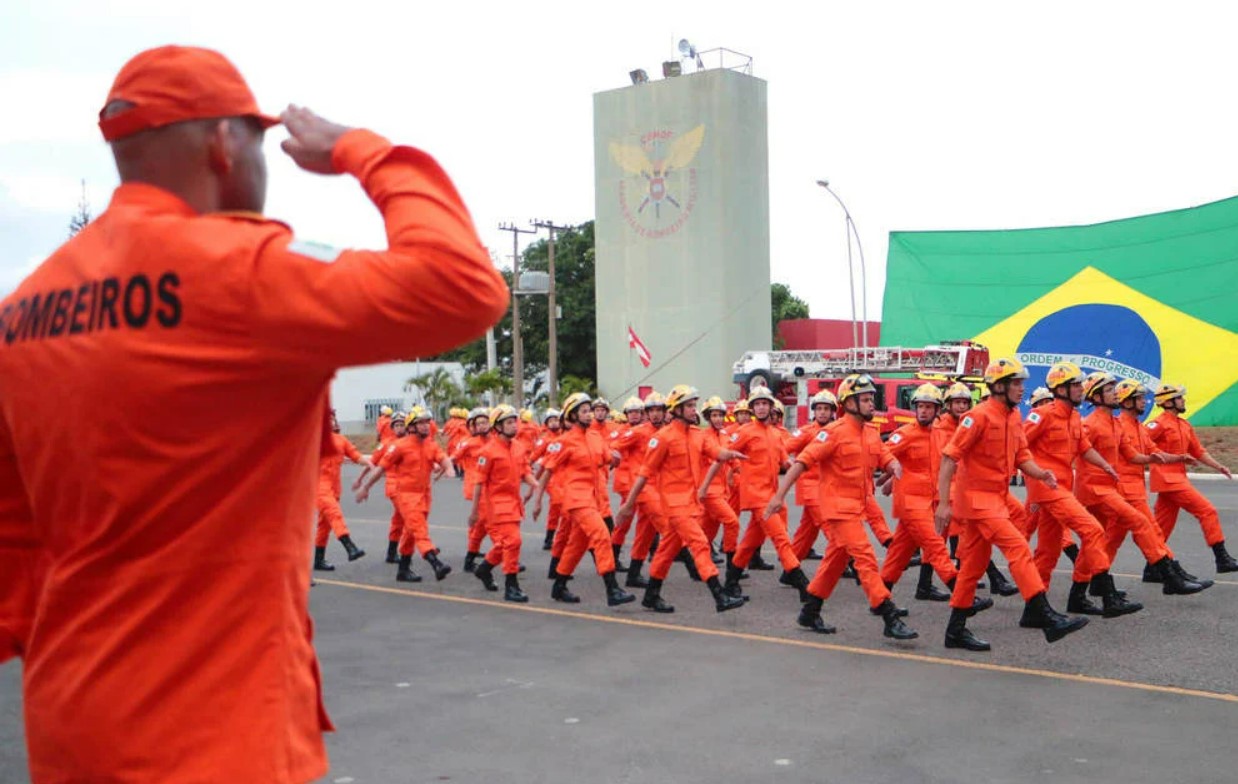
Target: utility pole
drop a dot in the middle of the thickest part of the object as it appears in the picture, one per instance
(552, 361)
(517, 343)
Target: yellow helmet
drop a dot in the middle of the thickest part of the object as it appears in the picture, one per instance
(778, 409)
(417, 414)
(460, 413)
(1169, 392)
(824, 396)
(1128, 388)
(479, 413)
(573, 402)
(855, 384)
(601, 402)
(398, 417)
(761, 393)
(526, 415)
(618, 417)
(741, 405)
(957, 391)
(680, 394)
(713, 404)
(551, 413)
(1004, 369)
(633, 403)
(927, 393)
(386, 411)
(655, 400)
(1039, 395)
(1063, 373)
(1097, 381)
(985, 392)
(501, 412)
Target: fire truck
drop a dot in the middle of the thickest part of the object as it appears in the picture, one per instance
(794, 376)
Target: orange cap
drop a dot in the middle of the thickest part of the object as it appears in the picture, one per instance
(172, 84)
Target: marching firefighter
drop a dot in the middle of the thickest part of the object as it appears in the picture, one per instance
(713, 497)
(501, 468)
(330, 516)
(824, 406)
(550, 433)
(466, 454)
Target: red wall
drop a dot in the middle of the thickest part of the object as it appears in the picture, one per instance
(823, 333)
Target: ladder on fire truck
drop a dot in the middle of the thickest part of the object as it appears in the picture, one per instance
(947, 361)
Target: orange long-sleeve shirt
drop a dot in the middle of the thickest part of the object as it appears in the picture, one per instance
(1105, 434)
(674, 457)
(577, 459)
(329, 464)
(758, 475)
(501, 467)
(155, 307)
(807, 487)
(845, 456)
(1056, 439)
(987, 445)
(916, 491)
(1173, 434)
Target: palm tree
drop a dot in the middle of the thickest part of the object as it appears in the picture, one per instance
(437, 389)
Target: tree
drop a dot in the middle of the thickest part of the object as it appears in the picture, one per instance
(437, 388)
(784, 306)
(82, 216)
(570, 385)
(488, 381)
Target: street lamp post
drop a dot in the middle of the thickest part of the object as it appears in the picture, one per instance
(850, 273)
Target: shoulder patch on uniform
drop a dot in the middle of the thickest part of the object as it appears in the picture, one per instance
(481, 461)
(653, 442)
(823, 436)
(317, 251)
(734, 437)
(1033, 417)
(1151, 425)
(967, 421)
(796, 434)
(897, 438)
(555, 447)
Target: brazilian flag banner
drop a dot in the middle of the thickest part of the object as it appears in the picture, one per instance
(1153, 298)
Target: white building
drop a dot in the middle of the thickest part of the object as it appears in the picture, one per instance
(358, 393)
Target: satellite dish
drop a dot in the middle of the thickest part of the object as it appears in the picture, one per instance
(686, 49)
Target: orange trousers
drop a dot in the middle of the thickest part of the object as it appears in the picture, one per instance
(563, 533)
(553, 516)
(396, 528)
(806, 535)
(506, 550)
(759, 528)
(719, 514)
(1031, 524)
(916, 530)
(1169, 502)
(589, 532)
(976, 541)
(330, 518)
(1115, 535)
(620, 534)
(1063, 514)
(1114, 514)
(416, 527)
(683, 530)
(477, 534)
(847, 541)
(877, 519)
(649, 521)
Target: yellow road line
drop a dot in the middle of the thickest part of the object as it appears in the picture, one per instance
(824, 646)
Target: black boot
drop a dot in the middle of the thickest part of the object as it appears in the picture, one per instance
(1072, 551)
(615, 595)
(653, 546)
(485, 572)
(895, 627)
(757, 563)
(1185, 575)
(715, 556)
(916, 560)
(722, 602)
(620, 566)
(1038, 614)
(560, 593)
(731, 587)
(634, 579)
(551, 573)
(979, 605)
(1151, 574)
(549, 541)
(610, 524)
(796, 579)
(441, 569)
(1079, 601)
(813, 555)
(653, 598)
(1175, 584)
(685, 557)
(512, 592)
(320, 560)
(354, 552)
(470, 561)
(998, 584)
(405, 574)
(393, 552)
(810, 616)
(925, 590)
(1115, 605)
(849, 572)
(1224, 562)
(959, 636)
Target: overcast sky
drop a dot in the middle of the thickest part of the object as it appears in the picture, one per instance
(922, 115)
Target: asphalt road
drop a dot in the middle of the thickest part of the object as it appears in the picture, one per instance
(444, 681)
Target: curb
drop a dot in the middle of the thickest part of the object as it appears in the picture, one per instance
(1206, 477)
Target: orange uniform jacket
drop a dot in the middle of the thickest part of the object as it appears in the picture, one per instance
(456, 431)
(409, 463)
(808, 485)
(501, 466)
(846, 452)
(912, 444)
(527, 434)
(383, 429)
(718, 440)
(1105, 434)
(758, 475)
(632, 445)
(329, 465)
(943, 431)
(1173, 434)
(135, 663)
(1132, 479)
(674, 458)
(1055, 437)
(987, 445)
(465, 456)
(578, 459)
